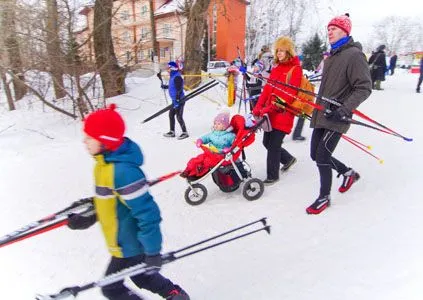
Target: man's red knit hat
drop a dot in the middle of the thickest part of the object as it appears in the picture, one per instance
(343, 22)
(106, 126)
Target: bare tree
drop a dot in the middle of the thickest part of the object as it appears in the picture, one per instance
(10, 40)
(53, 48)
(7, 90)
(194, 36)
(112, 75)
(295, 10)
(397, 34)
(3, 76)
(269, 19)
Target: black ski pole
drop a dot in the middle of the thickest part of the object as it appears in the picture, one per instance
(76, 206)
(244, 80)
(159, 75)
(142, 267)
(265, 228)
(352, 121)
(58, 221)
(191, 95)
(350, 140)
(262, 220)
(273, 81)
(335, 102)
(60, 218)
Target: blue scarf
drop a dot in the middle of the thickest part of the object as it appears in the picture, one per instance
(340, 42)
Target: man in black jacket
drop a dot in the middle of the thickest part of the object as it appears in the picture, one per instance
(421, 76)
(393, 63)
(176, 92)
(378, 67)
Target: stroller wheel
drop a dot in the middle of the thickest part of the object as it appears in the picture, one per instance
(253, 189)
(196, 194)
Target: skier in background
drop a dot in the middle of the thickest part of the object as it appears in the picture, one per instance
(393, 63)
(176, 92)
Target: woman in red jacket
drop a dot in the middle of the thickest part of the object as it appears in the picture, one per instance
(286, 69)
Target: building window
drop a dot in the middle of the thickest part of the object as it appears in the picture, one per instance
(142, 56)
(126, 37)
(163, 52)
(124, 15)
(144, 33)
(167, 30)
(144, 11)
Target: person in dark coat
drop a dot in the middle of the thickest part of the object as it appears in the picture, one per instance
(253, 84)
(378, 67)
(393, 63)
(346, 78)
(421, 76)
(267, 58)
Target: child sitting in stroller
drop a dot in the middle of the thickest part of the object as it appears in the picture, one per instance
(217, 141)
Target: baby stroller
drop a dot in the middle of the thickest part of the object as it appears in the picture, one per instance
(230, 170)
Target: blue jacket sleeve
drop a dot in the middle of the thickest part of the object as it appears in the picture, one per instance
(132, 187)
(206, 138)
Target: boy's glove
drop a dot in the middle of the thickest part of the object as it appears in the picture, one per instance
(198, 143)
(164, 86)
(80, 221)
(154, 261)
(243, 69)
(341, 114)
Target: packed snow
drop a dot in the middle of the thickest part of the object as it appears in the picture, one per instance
(367, 245)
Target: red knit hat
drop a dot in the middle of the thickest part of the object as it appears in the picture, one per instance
(106, 126)
(343, 22)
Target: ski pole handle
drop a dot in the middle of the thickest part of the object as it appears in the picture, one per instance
(65, 293)
(159, 75)
(76, 206)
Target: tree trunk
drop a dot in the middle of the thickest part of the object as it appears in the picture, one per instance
(8, 92)
(12, 46)
(112, 75)
(53, 48)
(154, 42)
(194, 36)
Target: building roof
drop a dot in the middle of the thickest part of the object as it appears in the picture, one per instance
(169, 7)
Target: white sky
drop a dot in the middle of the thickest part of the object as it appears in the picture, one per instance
(365, 13)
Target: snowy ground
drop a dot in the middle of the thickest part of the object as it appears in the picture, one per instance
(367, 245)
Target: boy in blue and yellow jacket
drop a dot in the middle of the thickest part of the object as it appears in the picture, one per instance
(124, 207)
